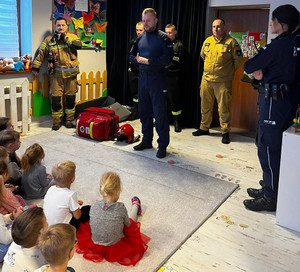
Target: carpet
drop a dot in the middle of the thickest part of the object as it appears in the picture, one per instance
(175, 201)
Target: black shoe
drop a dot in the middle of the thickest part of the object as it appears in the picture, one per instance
(261, 183)
(225, 138)
(255, 193)
(55, 126)
(69, 124)
(161, 153)
(142, 146)
(177, 126)
(261, 204)
(200, 132)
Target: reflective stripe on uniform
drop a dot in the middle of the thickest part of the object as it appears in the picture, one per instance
(70, 111)
(57, 114)
(43, 46)
(176, 112)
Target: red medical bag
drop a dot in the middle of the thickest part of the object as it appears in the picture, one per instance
(97, 123)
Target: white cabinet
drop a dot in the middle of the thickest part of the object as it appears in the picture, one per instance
(288, 204)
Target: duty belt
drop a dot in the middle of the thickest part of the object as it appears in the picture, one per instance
(151, 72)
(274, 90)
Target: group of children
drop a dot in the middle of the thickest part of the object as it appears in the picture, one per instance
(42, 239)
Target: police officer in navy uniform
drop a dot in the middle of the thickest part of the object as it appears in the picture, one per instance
(275, 67)
(153, 50)
(175, 76)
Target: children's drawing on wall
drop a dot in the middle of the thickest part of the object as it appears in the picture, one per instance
(86, 19)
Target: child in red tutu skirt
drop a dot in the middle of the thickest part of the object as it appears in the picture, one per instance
(111, 234)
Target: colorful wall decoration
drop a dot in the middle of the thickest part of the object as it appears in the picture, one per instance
(86, 19)
(248, 41)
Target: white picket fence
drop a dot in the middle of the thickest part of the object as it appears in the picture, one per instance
(15, 103)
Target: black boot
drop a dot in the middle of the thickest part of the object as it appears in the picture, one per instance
(177, 123)
(135, 113)
(262, 203)
(255, 193)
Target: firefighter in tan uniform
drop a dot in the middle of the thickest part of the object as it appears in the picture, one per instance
(61, 51)
(222, 56)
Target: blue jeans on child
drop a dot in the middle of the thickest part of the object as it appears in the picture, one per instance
(3, 250)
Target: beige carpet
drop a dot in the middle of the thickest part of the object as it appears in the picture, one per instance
(175, 201)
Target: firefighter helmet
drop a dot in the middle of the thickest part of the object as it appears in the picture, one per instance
(125, 132)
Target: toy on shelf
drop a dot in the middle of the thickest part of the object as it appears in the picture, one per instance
(296, 120)
(27, 60)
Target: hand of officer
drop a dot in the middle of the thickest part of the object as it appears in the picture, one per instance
(34, 73)
(258, 75)
(141, 60)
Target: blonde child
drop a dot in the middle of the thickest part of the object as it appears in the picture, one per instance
(8, 201)
(10, 140)
(24, 254)
(5, 123)
(60, 203)
(5, 230)
(57, 246)
(111, 234)
(35, 181)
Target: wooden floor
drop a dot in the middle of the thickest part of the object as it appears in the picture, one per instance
(233, 238)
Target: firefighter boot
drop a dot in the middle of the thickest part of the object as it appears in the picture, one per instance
(56, 123)
(177, 123)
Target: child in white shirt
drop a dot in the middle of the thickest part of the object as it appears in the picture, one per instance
(24, 254)
(60, 203)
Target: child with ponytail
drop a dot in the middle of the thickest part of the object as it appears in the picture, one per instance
(35, 180)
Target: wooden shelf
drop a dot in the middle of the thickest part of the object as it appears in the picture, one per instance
(15, 73)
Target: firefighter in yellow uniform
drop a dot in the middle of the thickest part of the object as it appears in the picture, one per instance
(61, 51)
(222, 56)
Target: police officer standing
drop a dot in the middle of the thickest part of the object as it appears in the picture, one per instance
(174, 76)
(275, 66)
(61, 50)
(222, 56)
(153, 51)
(133, 75)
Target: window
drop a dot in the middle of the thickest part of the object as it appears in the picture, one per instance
(9, 29)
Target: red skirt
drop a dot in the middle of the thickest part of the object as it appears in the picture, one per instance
(128, 251)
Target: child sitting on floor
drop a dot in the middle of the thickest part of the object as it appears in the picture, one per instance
(35, 181)
(24, 254)
(5, 123)
(57, 246)
(5, 230)
(60, 203)
(8, 201)
(10, 140)
(111, 234)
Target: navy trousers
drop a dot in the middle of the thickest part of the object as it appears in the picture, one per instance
(275, 116)
(153, 103)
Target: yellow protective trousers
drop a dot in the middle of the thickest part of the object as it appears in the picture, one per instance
(63, 91)
(223, 93)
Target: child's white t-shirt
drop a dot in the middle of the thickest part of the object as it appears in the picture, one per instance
(59, 203)
(20, 259)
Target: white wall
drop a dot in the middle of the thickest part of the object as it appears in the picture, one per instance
(90, 61)
(238, 3)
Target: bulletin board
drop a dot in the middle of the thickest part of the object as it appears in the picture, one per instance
(86, 19)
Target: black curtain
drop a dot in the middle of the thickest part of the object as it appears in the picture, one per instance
(189, 18)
